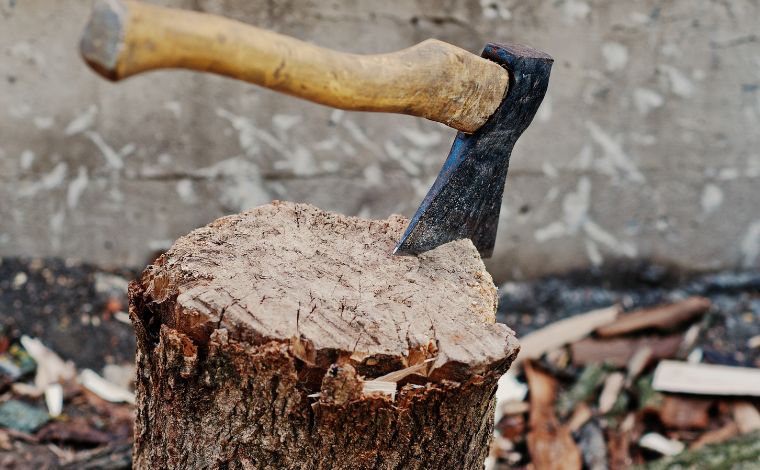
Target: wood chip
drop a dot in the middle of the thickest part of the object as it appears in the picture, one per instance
(562, 332)
(580, 416)
(5, 441)
(637, 364)
(619, 351)
(50, 367)
(512, 427)
(716, 436)
(54, 399)
(662, 318)
(398, 375)
(379, 386)
(105, 389)
(543, 394)
(629, 423)
(76, 430)
(683, 412)
(661, 444)
(689, 340)
(514, 408)
(746, 416)
(610, 392)
(706, 379)
(550, 444)
(619, 449)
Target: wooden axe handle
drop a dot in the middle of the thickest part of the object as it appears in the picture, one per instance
(433, 79)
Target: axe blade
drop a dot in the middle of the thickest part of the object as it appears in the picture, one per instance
(465, 200)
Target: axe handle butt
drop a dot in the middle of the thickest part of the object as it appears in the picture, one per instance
(433, 79)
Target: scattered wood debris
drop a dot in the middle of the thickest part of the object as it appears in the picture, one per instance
(76, 430)
(557, 334)
(387, 384)
(706, 379)
(637, 363)
(550, 443)
(626, 395)
(50, 420)
(619, 443)
(613, 385)
(746, 416)
(684, 412)
(105, 389)
(580, 416)
(661, 444)
(663, 318)
(716, 436)
(619, 351)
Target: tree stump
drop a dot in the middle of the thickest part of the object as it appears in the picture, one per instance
(289, 337)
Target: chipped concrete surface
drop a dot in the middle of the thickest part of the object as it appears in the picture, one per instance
(646, 146)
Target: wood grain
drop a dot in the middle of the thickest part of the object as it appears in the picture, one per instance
(291, 272)
(433, 79)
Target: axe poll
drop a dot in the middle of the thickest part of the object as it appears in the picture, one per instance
(490, 99)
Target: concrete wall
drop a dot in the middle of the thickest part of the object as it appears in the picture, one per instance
(646, 146)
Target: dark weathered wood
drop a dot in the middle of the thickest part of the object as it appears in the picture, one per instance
(618, 351)
(685, 412)
(662, 318)
(242, 322)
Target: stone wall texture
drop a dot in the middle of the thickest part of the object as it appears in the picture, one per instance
(647, 145)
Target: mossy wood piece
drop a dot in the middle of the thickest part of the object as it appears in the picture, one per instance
(257, 333)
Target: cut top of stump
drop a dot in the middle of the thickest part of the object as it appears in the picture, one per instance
(328, 285)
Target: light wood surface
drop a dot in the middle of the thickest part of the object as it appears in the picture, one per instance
(433, 79)
(294, 271)
(260, 336)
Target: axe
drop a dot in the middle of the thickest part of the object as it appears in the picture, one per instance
(489, 99)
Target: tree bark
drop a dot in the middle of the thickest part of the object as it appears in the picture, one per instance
(262, 336)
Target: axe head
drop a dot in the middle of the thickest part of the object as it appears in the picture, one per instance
(465, 200)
